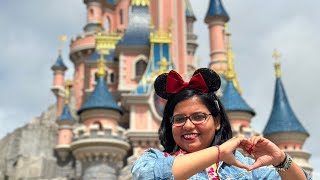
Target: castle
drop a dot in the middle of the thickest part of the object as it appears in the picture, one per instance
(108, 114)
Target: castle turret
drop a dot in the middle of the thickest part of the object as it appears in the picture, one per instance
(283, 127)
(59, 69)
(191, 37)
(238, 111)
(216, 18)
(94, 16)
(65, 122)
(133, 48)
(99, 143)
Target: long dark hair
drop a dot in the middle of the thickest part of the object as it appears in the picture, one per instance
(208, 99)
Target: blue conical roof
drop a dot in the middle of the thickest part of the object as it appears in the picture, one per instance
(111, 2)
(100, 98)
(59, 64)
(282, 118)
(188, 9)
(216, 9)
(233, 101)
(138, 32)
(66, 114)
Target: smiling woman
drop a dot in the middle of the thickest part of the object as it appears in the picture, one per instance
(197, 138)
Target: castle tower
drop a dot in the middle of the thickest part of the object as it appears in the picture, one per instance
(59, 69)
(133, 48)
(99, 143)
(283, 127)
(191, 38)
(65, 122)
(238, 111)
(170, 17)
(144, 105)
(216, 18)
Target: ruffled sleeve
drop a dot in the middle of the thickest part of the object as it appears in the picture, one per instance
(153, 165)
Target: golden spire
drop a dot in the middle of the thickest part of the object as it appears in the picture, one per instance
(231, 73)
(140, 2)
(68, 84)
(276, 56)
(101, 67)
(62, 39)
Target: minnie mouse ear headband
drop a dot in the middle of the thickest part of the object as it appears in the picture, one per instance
(204, 80)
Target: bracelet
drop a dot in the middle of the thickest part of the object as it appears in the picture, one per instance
(285, 165)
(218, 160)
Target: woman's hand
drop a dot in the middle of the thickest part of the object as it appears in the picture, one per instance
(264, 151)
(228, 148)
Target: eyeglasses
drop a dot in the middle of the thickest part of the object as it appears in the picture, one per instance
(196, 118)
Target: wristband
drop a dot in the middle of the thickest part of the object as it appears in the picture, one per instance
(285, 165)
(218, 160)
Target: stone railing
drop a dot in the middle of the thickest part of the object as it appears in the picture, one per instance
(94, 131)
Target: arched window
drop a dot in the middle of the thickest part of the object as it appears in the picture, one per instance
(99, 124)
(140, 68)
(121, 16)
(107, 24)
(91, 12)
(112, 78)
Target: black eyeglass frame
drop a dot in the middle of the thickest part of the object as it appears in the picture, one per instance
(189, 117)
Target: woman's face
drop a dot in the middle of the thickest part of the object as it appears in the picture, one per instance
(192, 137)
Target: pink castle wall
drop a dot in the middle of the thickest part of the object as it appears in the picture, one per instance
(124, 6)
(94, 13)
(78, 84)
(105, 122)
(81, 43)
(217, 46)
(65, 136)
(290, 146)
(58, 79)
(60, 104)
(141, 117)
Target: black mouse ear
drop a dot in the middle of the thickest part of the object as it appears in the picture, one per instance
(211, 78)
(160, 86)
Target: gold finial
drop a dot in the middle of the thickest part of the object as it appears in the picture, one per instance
(101, 67)
(140, 2)
(62, 39)
(276, 56)
(231, 74)
(163, 63)
(68, 84)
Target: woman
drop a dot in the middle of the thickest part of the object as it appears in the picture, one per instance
(197, 138)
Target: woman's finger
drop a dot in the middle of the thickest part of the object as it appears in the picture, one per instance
(255, 165)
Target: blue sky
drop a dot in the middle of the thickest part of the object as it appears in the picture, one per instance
(29, 43)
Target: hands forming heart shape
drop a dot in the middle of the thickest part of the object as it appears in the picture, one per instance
(263, 151)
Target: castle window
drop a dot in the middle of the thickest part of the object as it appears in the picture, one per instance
(140, 68)
(107, 24)
(112, 78)
(99, 124)
(91, 12)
